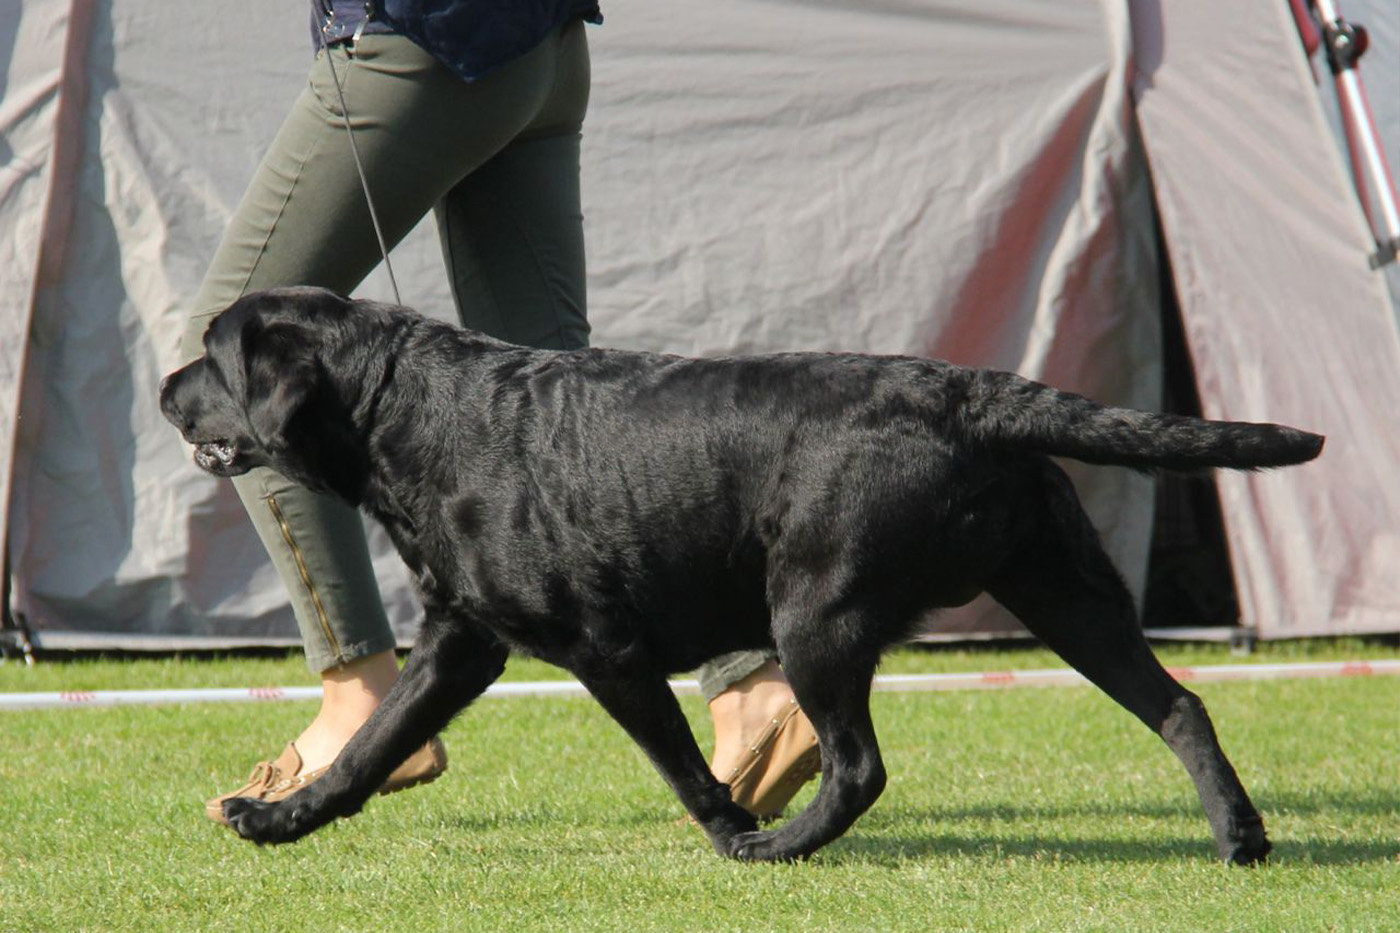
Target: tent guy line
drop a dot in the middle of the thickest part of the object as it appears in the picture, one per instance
(895, 683)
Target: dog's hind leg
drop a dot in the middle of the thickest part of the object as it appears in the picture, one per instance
(1063, 587)
(645, 707)
(832, 684)
(451, 665)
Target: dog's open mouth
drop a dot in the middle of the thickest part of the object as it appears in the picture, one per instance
(214, 455)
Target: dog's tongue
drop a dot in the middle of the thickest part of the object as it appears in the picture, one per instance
(210, 453)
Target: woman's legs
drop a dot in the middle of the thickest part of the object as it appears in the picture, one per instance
(303, 221)
(512, 239)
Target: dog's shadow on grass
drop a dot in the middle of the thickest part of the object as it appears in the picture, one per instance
(1275, 805)
(1037, 839)
(885, 838)
(891, 851)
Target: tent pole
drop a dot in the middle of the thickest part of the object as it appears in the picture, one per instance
(1344, 44)
(15, 639)
(65, 164)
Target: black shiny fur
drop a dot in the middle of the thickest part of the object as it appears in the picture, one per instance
(629, 515)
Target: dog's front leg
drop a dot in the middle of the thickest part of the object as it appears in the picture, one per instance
(450, 666)
(645, 706)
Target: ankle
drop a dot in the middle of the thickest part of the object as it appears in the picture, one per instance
(350, 693)
(753, 699)
(320, 743)
(366, 680)
(742, 712)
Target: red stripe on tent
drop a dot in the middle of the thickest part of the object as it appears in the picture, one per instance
(69, 124)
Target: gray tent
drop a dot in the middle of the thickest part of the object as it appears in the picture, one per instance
(995, 183)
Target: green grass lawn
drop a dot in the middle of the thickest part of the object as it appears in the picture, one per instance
(1034, 809)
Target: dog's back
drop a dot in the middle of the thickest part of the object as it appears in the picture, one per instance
(978, 407)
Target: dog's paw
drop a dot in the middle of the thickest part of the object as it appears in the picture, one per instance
(1250, 853)
(266, 823)
(734, 821)
(1247, 843)
(759, 847)
(731, 821)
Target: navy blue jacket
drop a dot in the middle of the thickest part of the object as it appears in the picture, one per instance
(472, 37)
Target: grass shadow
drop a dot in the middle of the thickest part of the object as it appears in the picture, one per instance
(1309, 825)
(887, 845)
(883, 837)
(890, 851)
(1299, 803)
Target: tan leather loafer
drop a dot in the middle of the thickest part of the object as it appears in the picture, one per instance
(275, 780)
(781, 759)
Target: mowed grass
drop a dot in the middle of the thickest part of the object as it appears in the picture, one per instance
(1033, 809)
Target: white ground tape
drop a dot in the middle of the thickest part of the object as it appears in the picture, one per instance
(987, 680)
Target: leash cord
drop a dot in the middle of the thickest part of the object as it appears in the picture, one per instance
(355, 149)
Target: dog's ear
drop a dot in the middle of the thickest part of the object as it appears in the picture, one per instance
(295, 413)
(281, 375)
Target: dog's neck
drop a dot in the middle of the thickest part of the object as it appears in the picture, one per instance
(388, 403)
(367, 402)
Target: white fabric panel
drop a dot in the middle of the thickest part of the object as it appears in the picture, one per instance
(1284, 319)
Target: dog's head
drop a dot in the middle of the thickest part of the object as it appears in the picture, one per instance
(278, 385)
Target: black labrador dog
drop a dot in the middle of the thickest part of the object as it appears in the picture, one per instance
(630, 515)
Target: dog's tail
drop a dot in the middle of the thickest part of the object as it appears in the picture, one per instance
(1006, 410)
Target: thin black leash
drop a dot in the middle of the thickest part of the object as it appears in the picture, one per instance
(329, 15)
